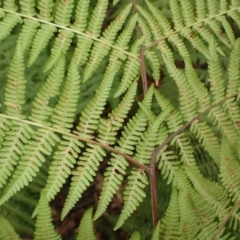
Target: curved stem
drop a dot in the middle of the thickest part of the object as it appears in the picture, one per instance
(111, 149)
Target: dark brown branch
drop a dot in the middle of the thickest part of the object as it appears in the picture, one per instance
(142, 61)
(160, 147)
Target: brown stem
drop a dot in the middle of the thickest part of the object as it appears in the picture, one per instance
(234, 209)
(142, 61)
(161, 146)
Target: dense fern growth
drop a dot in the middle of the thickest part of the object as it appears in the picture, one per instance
(133, 104)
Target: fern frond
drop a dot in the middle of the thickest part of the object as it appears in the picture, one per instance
(12, 148)
(113, 178)
(95, 23)
(133, 195)
(212, 192)
(86, 227)
(233, 84)
(169, 227)
(100, 50)
(132, 69)
(44, 227)
(60, 47)
(42, 37)
(80, 22)
(10, 5)
(108, 127)
(45, 8)
(114, 173)
(83, 175)
(195, 212)
(90, 115)
(15, 88)
(27, 33)
(64, 112)
(63, 12)
(7, 231)
(64, 159)
(150, 139)
(41, 111)
(27, 7)
(168, 164)
(30, 162)
(229, 171)
(135, 236)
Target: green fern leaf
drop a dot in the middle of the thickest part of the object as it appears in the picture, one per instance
(229, 169)
(27, 32)
(135, 236)
(42, 37)
(212, 192)
(7, 24)
(15, 88)
(168, 164)
(44, 227)
(61, 45)
(156, 232)
(86, 227)
(100, 50)
(83, 176)
(90, 115)
(27, 7)
(94, 27)
(10, 5)
(169, 227)
(63, 12)
(80, 22)
(64, 112)
(68, 149)
(132, 69)
(45, 8)
(41, 111)
(61, 167)
(31, 160)
(7, 232)
(108, 127)
(12, 149)
(133, 195)
(114, 173)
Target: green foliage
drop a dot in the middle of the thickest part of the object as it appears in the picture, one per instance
(119, 91)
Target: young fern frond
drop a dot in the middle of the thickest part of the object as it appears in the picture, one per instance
(114, 173)
(86, 227)
(135, 236)
(133, 195)
(44, 227)
(6, 230)
(169, 227)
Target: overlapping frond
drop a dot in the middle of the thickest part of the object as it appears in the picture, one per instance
(44, 226)
(6, 230)
(63, 50)
(85, 230)
(114, 173)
